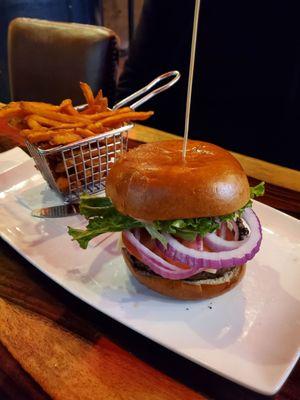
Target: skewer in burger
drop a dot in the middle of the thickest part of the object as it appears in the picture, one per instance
(188, 228)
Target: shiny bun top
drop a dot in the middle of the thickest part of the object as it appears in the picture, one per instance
(153, 182)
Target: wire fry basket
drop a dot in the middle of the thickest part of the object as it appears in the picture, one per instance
(83, 166)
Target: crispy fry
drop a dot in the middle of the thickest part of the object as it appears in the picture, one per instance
(124, 117)
(59, 167)
(99, 97)
(45, 121)
(17, 122)
(96, 127)
(52, 115)
(11, 111)
(39, 136)
(39, 105)
(87, 92)
(68, 126)
(67, 107)
(102, 104)
(64, 138)
(109, 113)
(33, 123)
(84, 132)
(95, 109)
(103, 114)
(26, 132)
(71, 110)
(62, 183)
(53, 125)
(65, 103)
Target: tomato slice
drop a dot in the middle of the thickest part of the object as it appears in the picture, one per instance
(229, 235)
(150, 244)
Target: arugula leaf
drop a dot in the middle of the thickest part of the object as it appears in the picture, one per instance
(103, 217)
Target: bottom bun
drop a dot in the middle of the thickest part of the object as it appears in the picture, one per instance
(185, 289)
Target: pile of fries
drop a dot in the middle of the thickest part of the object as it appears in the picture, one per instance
(48, 126)
(55, 125)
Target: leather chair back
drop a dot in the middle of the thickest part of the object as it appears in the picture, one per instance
(48, 59)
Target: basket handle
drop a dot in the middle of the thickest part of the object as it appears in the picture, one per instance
(145, 89)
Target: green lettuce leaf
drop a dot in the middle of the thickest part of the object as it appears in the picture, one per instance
(258, 190)
(155, 234)
(101, 220)
(103, 217)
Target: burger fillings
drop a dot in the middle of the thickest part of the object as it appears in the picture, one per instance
(188, 227)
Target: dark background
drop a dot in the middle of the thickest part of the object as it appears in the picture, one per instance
(246, 92)
(246, 84)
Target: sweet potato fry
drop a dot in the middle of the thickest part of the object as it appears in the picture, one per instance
(39, 136)
(84, 132)
(62, 183)
(33, 123)
(71, 110)
(98, 115)
(39, 105)
(68, 126)
(64, 138)
(87, 92)
(52, 115)
(95, 109)
(67, 107)
(26, 132)
(109, 113)
(125, 117)
(98, 97)
(96, 127)
(51, 124)
(59, 167)
(42, 121)
(102, 104)
(11, 111)
(65, 103)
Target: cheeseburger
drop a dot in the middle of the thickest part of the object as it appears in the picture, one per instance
(187, 225)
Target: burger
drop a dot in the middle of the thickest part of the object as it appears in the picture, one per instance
(187, 225)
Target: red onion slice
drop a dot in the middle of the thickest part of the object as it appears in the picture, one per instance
(158, 264)
(217, 243)
(222, 259)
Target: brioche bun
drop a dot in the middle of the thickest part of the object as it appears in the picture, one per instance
(153, 182)
(185, 289)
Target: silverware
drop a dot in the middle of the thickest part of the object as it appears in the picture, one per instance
(65, 210)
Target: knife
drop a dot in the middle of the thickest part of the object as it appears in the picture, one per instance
(64, 210)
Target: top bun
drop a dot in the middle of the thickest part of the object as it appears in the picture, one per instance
(153, 182)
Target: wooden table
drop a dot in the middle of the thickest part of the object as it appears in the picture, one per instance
(52, 345)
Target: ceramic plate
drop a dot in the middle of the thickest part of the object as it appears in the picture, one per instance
(250, 335)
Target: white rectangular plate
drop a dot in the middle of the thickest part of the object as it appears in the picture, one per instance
(250, 335)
